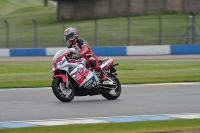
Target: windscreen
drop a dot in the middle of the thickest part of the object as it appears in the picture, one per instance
(59, 53)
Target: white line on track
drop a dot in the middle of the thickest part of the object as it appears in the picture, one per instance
(54, 122)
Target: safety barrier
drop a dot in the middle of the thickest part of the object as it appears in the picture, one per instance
(110, 50)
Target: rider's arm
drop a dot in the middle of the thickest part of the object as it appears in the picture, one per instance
(84, 50)
(84, 47)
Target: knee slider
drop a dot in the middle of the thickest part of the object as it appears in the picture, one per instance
(93, 63)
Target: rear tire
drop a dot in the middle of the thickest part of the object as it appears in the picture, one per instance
(61, 92)
(107, 92)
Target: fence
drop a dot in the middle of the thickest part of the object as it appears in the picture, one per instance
(125, 31)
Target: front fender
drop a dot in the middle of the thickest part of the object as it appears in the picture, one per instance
(62, 76)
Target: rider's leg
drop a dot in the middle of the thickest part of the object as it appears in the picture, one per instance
(92, 62)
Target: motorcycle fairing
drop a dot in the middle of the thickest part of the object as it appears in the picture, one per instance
(59, 55)
(88, 88)
(90, 83)
(81, 74)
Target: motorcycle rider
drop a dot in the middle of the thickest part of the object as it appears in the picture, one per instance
(82, 49)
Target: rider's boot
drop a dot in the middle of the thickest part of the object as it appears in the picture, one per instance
(103, 75)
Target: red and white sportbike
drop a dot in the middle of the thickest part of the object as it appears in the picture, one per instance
(71, 77)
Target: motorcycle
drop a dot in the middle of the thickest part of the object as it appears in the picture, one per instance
(71, 77)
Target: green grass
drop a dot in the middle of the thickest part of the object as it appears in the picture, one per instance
(129, 127)
(10, 6)
(25, 74)
(37, 74)
(111, 31)
(158, 71)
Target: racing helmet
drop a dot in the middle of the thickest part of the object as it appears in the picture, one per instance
(70, 34)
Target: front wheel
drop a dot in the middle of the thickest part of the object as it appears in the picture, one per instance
(61, 92)
(112, 94)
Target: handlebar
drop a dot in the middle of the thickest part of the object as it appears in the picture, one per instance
(67, 58)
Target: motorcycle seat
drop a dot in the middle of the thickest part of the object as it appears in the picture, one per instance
(100, 61)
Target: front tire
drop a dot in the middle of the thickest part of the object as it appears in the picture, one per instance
(107, 92)
(61, 92)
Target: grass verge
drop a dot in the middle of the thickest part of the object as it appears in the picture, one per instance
(129, 127)
(37, 74)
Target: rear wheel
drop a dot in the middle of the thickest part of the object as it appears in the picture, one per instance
(114, 92)
(61, 92)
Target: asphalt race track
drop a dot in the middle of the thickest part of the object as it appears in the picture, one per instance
(41, 104)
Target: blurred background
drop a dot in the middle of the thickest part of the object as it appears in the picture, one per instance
(40, 23)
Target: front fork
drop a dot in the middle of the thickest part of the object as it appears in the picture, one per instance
(64, 86)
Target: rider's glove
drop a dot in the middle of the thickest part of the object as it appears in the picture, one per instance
(74, 51)
(76, 57)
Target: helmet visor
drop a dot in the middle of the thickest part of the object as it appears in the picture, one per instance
(67, 37)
